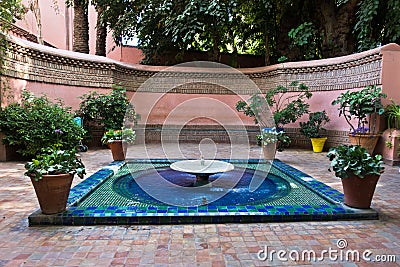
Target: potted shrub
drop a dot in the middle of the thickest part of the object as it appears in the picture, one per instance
(359, 172)
(117, 140)
(360, 109)
(313, 128)
(270, 139)
(51, 174)
(287, 106)
(31, 125)
(106, 111)
(391, 136)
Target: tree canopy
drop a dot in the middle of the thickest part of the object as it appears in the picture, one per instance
(276, 29)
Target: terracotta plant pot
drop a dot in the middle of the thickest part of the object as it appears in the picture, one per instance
(269, 151)
(358, 192)
(117, 150)
(318, 144)
(52, 192)
(368, 141)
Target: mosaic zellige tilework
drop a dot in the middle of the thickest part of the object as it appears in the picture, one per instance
(95, 201)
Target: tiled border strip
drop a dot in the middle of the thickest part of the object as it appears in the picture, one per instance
(33, 62)
(209, 214)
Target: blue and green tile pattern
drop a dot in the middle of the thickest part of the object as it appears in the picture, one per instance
(92, 202)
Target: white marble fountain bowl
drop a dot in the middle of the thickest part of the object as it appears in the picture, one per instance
(202, 166)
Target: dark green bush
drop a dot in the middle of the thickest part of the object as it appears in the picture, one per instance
(107, 110)
(38, 123)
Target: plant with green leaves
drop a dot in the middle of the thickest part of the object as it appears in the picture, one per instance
(126, 134)
(37, 123)
(287, 105)
(270, 135)
(354, 159)
(108, 110)
(313, 127)
(392, 112)
(305, 37)
(10, 11)
(358, 106)
(54, 161)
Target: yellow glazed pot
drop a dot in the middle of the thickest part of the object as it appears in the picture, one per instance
(318, 144)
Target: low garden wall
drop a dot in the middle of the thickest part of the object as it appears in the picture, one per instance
(68, 75)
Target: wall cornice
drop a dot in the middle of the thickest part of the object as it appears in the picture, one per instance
(33, 62)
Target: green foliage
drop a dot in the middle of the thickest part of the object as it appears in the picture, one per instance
(364, 26)
(259, 27)
(126, 134)
(282, 59)
(305, 37)
(359, 104)
(38, 123)
(393, 115)
(287, 105)
(108, 110)
(347, 160)
(55, 161)
(10, 10)
(283, 142)
(270, 135)
(313, 127)
(377, 23)
(388, 144)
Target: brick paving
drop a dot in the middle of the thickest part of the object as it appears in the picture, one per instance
(193, 245)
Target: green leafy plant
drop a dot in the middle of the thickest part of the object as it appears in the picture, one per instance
(304, 37)
(313, 127)
(126, 134)
(347, 160)
(388, 144)
(359, 106)
(393, 115)
(287, 105)
(38, 123)
(108, 110)
(270, 135)
(55, 161)
(283, 142)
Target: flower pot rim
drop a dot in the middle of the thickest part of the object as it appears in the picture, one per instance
(365, 176)
(32, 175)
(324, 137)
(365, 135)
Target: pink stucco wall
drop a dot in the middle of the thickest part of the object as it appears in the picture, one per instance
(57, 29)
(56, 23)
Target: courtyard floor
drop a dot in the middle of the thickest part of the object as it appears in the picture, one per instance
(204, 244)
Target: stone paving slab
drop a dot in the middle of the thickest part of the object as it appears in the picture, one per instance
(201, 244)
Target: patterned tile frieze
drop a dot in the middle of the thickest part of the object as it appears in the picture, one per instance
(32, 62)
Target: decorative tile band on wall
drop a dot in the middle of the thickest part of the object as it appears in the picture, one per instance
(29, 61)
(219, 134)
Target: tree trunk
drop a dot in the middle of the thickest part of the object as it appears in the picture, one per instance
(101, 34)
(81, 27)
(336, 25)
(34, 7)
(266, 55)
(215, 42)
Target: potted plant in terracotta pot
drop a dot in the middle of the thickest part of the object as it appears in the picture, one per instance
(360, 110)
(51, 174)
(313, 128)
(287, 105)
(269, 141)
(359, 172)
(117, 141)
(391, 136)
